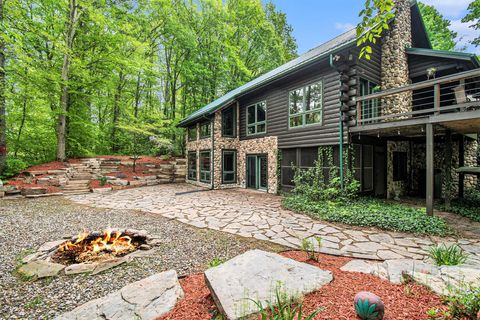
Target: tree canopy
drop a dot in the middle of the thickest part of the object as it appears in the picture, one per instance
(438, 28)
(95, 75)
(473, 16)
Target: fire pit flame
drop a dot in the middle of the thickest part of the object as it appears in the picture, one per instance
(89, 245)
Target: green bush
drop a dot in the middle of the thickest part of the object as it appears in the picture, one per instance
(464, 303)
(366, 212)
(103, 180)
(13, 167)
(447, 256)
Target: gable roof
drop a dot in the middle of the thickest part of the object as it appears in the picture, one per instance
(344, 40)
(315, 54)
(445, 54)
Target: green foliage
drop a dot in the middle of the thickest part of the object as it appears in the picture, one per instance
(438, 28)
(309, 248)
(32, 304)
(467, 207)
(322, 182)
(103, 180)
(473, 16)
(137, 68)
(444, 255)
(367, 212)
(464, 303)
(13, 167)
(215, 262)
(375, 19)
(284, 308)
(365, 310)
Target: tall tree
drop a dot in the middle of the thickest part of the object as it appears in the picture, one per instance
(3, 124)
(438, 28)
(74, 13)
(473, 15)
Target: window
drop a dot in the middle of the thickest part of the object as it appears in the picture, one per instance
(229, 166)
(229, 122)
(192, 165)
(205, 129)
(192, 133)
(256, 118)
(305, 105)
(369, 107)
(363, 166)
(399, 166)
(205, 166)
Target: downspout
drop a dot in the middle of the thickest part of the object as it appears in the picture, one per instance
(340, 127)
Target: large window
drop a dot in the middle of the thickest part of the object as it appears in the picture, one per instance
(229, 166)
(192, 133)
(192, 165)
(205, 129)
(363, 166)
(257, 118)
(369, 107)
(229, 122)
(205, 166)
(305, 105)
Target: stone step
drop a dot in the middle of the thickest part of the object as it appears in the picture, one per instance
(86, 181)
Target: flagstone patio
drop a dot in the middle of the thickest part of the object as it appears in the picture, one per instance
(260, 215)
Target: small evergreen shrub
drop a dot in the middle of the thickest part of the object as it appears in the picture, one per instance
(447, 256)
(13, 167)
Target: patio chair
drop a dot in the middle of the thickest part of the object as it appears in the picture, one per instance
(462, 97)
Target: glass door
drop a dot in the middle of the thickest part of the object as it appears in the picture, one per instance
(257, 172)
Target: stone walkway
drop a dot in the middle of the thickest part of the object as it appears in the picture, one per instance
(254, 214)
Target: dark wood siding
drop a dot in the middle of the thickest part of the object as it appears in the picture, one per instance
(418, 66)
(276, 96)
(371, 69)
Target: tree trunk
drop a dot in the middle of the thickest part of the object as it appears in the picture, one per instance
(116, 112)
(22, 123)
(73, 17)
(3, 124)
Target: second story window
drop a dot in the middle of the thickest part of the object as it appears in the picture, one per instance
(205, 130)
(305, 105)
(257, 118)
(369, 107)
(192, 133)
(229, 122)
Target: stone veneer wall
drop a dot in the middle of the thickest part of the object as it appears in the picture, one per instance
(392, 186)
(394, 60)
(264, 145)
(471, 151)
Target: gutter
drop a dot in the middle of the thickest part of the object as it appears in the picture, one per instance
(340, 127)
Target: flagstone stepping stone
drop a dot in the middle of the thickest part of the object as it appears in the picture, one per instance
(40, 269)
(257, 275)
(146, 299)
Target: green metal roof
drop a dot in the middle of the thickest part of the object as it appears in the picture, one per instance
(315, 54)
(445, 54)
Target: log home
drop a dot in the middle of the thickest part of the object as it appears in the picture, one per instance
(411, 115)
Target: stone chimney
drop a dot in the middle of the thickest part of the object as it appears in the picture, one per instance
(394, 59)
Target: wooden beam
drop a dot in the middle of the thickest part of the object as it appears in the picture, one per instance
(430, 169)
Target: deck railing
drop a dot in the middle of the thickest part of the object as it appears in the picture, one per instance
(454, 93)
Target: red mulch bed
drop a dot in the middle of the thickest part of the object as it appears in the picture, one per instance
(23, 185)
(95, 184)
(337, 297)
(143, 159)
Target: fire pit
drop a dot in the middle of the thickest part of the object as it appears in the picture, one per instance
(88, 252)
(95, 246)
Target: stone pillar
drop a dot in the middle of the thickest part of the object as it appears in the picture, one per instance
(394, 60)
(471, 147)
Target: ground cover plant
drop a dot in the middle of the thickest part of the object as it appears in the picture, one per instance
(468, 206)
(464, 303)
(444, 255)
(320, 195)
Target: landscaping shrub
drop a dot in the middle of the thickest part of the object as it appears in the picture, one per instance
(103, 180)
(284, 309)
(13, 167)
(447, 256)
(464, 303)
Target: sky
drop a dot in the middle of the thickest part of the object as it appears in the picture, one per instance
(317, 21)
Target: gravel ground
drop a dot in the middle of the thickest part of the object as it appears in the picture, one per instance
(26, 224)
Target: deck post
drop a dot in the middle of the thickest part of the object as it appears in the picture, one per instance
(461, 163)
(430, 169)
